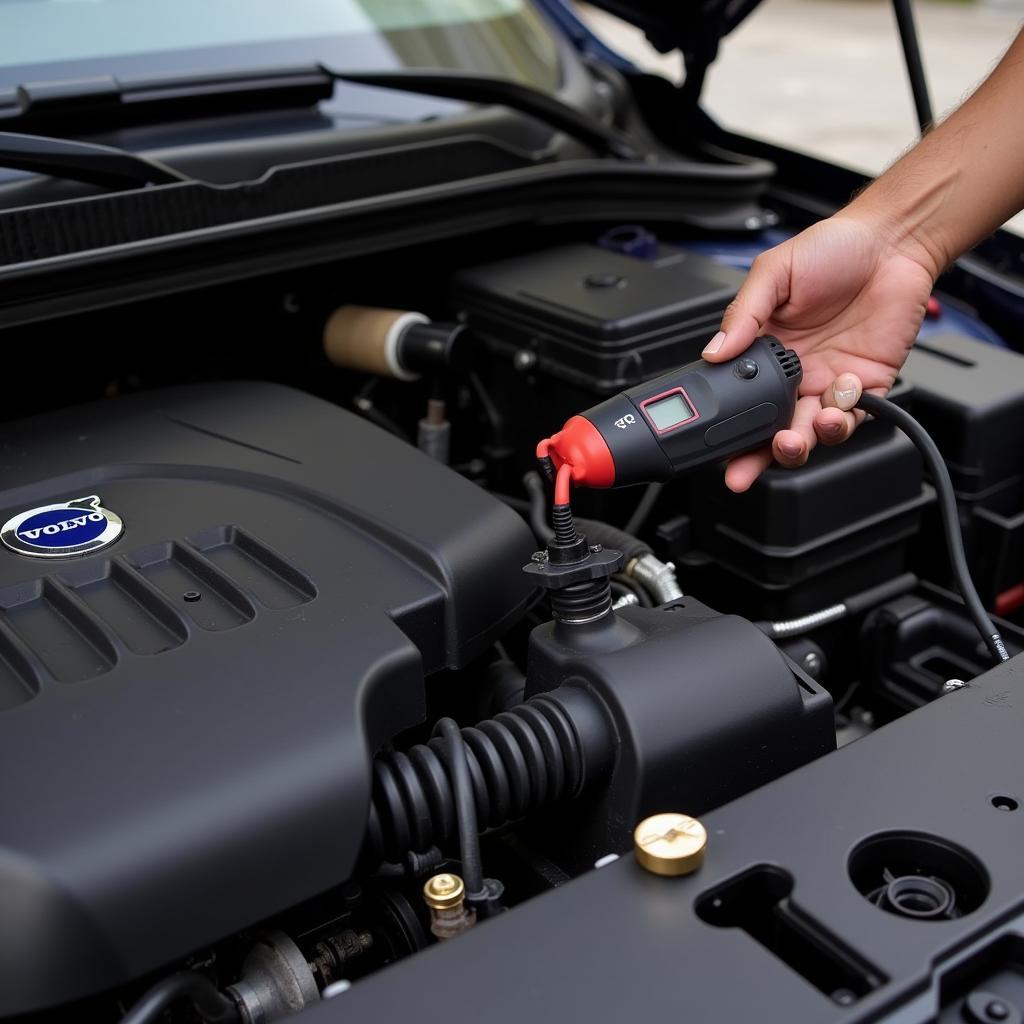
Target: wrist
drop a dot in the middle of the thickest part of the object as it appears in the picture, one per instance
(906, 223)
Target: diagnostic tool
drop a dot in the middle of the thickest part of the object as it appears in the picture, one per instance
(699, 413)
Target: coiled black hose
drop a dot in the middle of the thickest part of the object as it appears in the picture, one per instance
(533, 755)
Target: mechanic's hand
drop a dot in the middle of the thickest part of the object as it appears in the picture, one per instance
(850, 304)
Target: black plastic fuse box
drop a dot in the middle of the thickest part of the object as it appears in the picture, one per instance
(970, 397)
(596, 319)
(798, 541)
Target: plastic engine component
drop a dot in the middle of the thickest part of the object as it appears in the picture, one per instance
(187, 715)
(597, 319)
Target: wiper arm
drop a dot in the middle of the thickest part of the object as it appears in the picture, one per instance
(474, 88)
(117, 168)
(110, 100)
(83, 161)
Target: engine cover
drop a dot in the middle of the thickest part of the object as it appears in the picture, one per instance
(192, 684)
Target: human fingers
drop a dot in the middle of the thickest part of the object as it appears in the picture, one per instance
(764, 290)
(838, 419)
(792, 447)
(743, 470)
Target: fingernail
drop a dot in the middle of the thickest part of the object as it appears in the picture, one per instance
(844, 390)
(832, 429)
(790, 448)
(714, 345)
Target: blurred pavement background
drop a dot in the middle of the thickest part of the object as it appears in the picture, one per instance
(827, 77)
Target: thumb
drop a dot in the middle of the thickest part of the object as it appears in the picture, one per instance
(765, 289)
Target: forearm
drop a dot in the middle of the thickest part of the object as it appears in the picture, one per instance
(963, 180)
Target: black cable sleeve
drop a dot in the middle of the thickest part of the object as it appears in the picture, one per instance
(465, 806)
(865, 599)
(211, 1005)
(886, 410)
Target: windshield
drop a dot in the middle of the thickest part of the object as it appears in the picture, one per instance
(46, 40)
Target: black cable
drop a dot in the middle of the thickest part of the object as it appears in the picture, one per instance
(886, 410)
(644, 508)
(465, 807)
(865, 599)
(210, 1004)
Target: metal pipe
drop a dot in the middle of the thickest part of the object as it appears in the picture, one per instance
(656, 576)
(915, 66)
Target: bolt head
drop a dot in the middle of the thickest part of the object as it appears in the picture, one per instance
(444, 891)
(670, 844)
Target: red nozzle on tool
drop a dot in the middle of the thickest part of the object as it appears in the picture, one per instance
(580, 446)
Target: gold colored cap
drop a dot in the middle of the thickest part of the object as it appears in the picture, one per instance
(444, 892)
(670, 844)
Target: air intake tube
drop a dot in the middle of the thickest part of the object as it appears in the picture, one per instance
(539, 753)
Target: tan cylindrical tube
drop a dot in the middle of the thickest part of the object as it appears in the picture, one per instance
(366, 338)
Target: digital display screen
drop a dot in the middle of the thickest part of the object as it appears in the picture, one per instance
(669, 411)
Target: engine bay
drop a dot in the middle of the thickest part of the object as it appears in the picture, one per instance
(264, 591)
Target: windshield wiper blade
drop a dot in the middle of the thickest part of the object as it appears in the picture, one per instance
(108, 99)
(104, 98)
(474, 88)
(83, 161)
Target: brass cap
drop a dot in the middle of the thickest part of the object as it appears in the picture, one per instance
(670, 844)
(444, 892)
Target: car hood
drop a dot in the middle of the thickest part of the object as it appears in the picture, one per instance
(694, 28)
(681, 26)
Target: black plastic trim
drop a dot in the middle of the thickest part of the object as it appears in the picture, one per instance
(198, 234)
